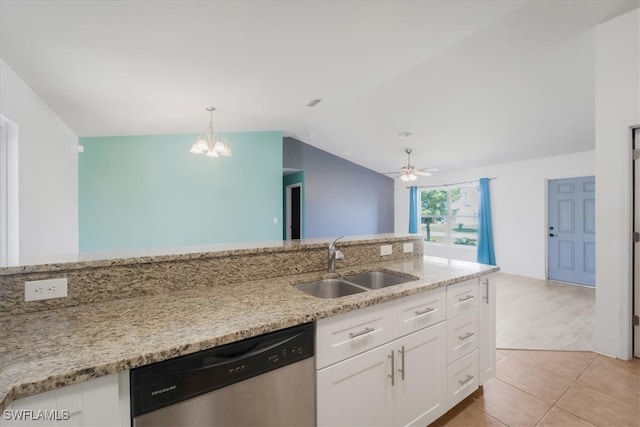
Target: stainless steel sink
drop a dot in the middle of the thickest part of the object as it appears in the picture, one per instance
(329, 288)
(377, 279)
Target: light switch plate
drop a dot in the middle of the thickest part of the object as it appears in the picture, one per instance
(407, 247)
(386, 250)
(37, 290)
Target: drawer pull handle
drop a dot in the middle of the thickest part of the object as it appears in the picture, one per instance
(362, 332)
(393, 372)
(466, 380)
(465, 298)
(402, 359)
(467, 335)
(425, 311)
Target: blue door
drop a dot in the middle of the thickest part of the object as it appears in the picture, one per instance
(572, 230)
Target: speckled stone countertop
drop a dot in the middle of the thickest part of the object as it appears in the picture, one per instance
(46, 350)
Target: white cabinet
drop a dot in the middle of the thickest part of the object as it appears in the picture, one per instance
(487, 328)
(401, 381)
(356, 391)
(462, 340)
(420, 391)
(102, 401)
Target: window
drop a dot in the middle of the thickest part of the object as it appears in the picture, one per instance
(450, 215)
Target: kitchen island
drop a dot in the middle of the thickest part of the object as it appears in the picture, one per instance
(48, 349)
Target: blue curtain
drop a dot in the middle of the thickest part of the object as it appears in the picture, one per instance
(486, 253)
(413, 210)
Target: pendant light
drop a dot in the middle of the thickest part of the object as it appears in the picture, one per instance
(211, 144)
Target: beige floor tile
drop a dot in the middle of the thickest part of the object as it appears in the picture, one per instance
(556, 417)
(511, 405)
(541, 383)
(599, 408)
(569, 364)
(615, 378)
(471, 414)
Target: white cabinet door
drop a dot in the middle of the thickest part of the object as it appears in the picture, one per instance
(357, 391)
(420, 383)
(487, 309)
(96, 402)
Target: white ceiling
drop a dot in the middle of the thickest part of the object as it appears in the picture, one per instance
(476, 82)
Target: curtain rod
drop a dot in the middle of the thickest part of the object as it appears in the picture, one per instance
(449, 185)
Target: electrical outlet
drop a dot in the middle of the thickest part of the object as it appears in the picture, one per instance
(386, 250)
(407, 247)
(37, 290)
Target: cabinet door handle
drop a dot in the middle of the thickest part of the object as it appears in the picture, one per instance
(401, 351)
(393, 369)
(466, 380)
(465, 298)
(467, 335)
(486, 290)
(362, 332)
(425, 311)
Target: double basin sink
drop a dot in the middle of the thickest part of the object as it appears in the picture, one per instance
(353, 284)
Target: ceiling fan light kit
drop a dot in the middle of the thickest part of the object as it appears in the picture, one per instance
(409, 172)
(210, 144)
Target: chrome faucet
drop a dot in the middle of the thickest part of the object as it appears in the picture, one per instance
(334, 255)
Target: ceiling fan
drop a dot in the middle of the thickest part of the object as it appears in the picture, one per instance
(409, 172)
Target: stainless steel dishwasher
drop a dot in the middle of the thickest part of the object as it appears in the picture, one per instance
(266, 380)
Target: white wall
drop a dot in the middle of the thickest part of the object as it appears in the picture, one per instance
(518, 206)
(47, 171)
(617, 108)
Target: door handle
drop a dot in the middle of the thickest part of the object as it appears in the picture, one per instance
(402, 361)
(552, 235)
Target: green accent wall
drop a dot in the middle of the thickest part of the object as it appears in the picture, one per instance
(292, 178)
(139, 192)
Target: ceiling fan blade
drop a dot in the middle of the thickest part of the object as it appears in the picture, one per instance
(429, 170)
(423, 173)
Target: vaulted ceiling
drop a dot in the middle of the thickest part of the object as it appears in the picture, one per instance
(475, 82)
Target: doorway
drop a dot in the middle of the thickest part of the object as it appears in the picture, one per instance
(294, 210)
(571, 230)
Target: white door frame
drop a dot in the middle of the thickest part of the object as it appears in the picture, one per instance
(288, 209)
(9, 202)
(632, 333)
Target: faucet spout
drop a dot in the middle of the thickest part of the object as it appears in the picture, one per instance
(333, 255)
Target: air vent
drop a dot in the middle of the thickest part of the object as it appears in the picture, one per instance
(405, 134)
(314, 102)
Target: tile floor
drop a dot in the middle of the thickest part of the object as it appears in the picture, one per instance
(553, 388)
(534, 314)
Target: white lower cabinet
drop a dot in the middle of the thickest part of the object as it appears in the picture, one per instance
(103, 401)
(356, 391)
(400, 383)
(439, 350)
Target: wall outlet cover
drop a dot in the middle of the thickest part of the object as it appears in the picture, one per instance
(407, 247)
(37, 290)
(386, 250)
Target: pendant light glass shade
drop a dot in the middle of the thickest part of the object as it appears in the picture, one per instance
(210, 144)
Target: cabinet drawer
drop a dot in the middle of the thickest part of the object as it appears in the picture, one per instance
(462, 335)
(348, 334)
(462, 378)
(413, 313)
(462, 297)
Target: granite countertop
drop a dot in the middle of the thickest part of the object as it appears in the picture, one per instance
(46, 350)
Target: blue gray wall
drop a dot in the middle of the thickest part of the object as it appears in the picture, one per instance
(149, 191)
(340, 197)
